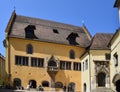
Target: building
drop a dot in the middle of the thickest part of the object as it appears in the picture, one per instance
(115, 64)
(96, 64)
(2, 70)
(42, 52)
(114, 45)
(57, 55)
(100, 63)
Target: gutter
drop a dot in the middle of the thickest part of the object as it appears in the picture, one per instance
(89, 71)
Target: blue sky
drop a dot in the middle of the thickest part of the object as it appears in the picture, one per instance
(99, 16)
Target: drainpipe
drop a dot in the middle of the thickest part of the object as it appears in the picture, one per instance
(89, 70)
(9, 71)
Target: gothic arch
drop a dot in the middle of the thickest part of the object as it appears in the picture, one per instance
(53, 61)
(101, 79)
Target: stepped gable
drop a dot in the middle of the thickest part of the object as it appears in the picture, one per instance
(100, 41)
(48, 31)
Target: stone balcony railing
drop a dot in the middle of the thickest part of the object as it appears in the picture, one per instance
(52, 68)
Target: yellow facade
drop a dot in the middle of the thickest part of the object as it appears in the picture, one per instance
(2, 70)
(44, 50)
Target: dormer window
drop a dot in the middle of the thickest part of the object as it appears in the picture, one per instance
(72, 38)
(29, 32)
(55, 31)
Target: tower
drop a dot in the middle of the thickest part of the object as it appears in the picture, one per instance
(117, 5)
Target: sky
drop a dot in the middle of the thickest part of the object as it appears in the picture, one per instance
(99, 16)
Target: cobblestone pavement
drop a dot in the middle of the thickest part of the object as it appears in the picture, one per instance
(9, 90)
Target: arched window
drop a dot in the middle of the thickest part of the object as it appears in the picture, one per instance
(29, 49)
(45, 84)
(85, 87)
(117, 85)
(86, 64)
(32, 83)
(115, 57)
(58, 85)
(71, 87)
(72, 54)
(16, 82)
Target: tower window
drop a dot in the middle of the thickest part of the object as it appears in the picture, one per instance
(55, 31)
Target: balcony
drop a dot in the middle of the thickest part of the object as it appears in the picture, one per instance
(52, 69)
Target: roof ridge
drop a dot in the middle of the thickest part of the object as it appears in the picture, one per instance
(47, 20)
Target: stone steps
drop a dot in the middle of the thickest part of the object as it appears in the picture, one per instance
(103, 90)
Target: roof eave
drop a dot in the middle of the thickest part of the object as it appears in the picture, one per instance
(99, 48)
(109, 44)
(9, 25)
(117, 3)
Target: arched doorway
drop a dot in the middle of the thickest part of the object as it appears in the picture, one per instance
(85, 87)
(116, 81)
(45, 84)
(17, 82)
(71, 87)
(117, 86)
(101, 79)
(32, 84)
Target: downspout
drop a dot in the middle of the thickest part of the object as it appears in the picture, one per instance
(89, 70)
(9, 68)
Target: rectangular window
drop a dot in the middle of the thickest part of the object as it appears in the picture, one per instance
(40, 62)
(107, 56)
(68, 65)
(83, 66)
(65, 65)
(62, 64)
(21, 60)
(37, 62)
(86, 64)
(18, 60)
(25, 61)
(33, 61)
(80, 66)
(77, 66)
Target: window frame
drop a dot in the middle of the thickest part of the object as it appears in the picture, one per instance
(21, 60)
(29, 49)
(72, 54)
(115, 57)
